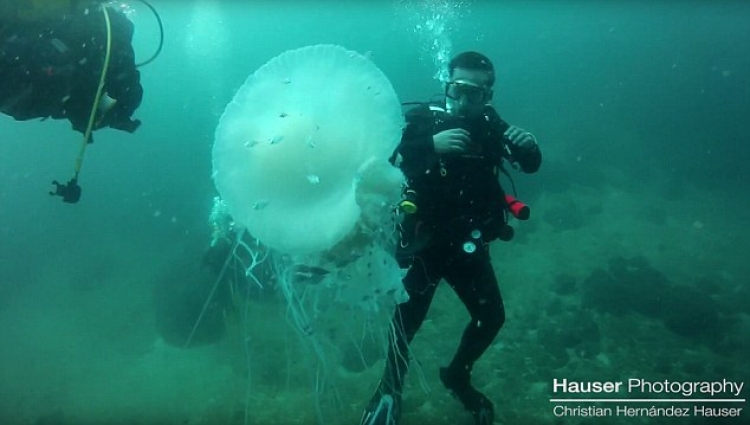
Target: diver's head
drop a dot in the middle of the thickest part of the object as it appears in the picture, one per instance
(469, 86)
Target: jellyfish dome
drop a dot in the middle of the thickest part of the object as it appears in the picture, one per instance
(292, 148)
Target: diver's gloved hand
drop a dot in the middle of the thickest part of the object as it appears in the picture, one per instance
(127, 124)
(521, 138)
(116, 115)
(451, 141)
(106, 102)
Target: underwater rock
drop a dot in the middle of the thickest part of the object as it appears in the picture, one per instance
(179, 299)
(588, 350)
(694, 315)
(577, 331)
(602, 292)
(564, 284)
(650, 288)
(557, 358)
(627, 285)
(634, 286)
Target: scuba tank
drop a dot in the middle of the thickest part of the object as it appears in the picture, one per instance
(35, 10)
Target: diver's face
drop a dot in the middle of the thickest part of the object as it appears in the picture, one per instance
(467, 92)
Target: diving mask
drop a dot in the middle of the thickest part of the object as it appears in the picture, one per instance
(468, 92)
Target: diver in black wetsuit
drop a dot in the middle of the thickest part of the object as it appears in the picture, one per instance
(452, 158)
(51, 59)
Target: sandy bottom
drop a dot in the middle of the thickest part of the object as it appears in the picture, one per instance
(80, 350)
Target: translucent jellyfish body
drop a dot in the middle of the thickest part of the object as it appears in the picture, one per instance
(293, 147)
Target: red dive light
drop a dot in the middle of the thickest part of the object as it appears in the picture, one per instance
(519, 210)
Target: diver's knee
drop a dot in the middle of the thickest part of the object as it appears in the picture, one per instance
(493, 320)
(500, 319)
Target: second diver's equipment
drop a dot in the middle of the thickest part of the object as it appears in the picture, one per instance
(497, 229)
(161, 35)
(519, 210)
(72, 192)
(408, 203)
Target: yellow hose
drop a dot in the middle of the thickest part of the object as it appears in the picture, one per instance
(95, 106)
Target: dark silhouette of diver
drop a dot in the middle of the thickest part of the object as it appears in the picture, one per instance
(453, 155)
(62, 59)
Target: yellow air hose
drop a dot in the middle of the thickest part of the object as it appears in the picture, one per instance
(95, 105)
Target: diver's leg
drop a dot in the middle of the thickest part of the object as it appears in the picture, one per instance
(407, 319)
(385, 406)
(475, 284)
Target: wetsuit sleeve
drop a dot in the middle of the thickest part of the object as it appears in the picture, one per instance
(528, 159)
(417, 149)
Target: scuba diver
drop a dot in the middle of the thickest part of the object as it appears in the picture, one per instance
(52, 54)
(72, 60)
(452, 155)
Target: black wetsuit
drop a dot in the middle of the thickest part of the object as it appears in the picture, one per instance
(460, 209)
(52, 68)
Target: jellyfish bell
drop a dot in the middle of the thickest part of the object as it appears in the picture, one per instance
(300, 154)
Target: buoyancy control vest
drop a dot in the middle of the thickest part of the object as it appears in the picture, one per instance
(458, 193)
